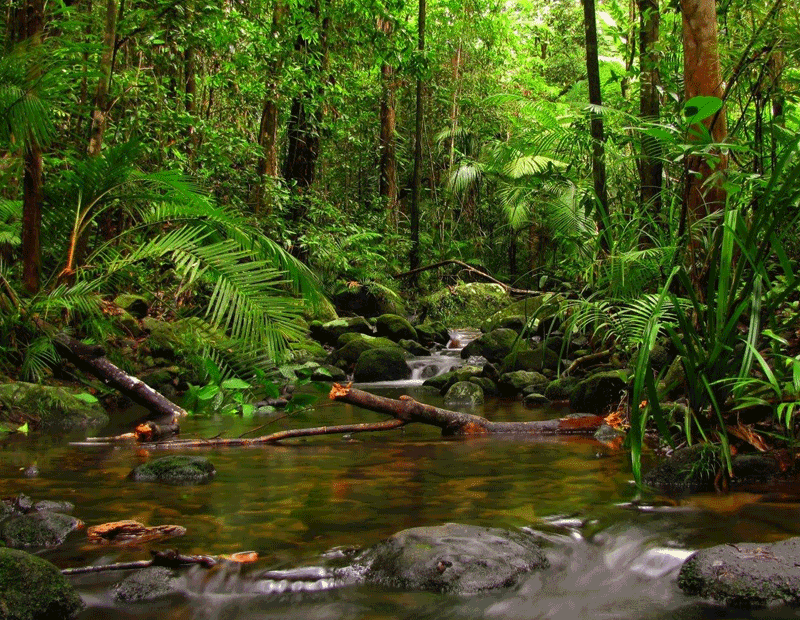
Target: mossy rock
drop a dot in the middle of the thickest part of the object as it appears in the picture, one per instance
(561, 389)
(41, 530)
(494, 346)
(413, 347)
(540, 358)
(534, 399)
(516, 381)
(368, 300)
(445, 380)
(49, 408)
(464, 394)
(176, 339)
(328, 333)
(599, 392)
(308, 350)
(488, 386)
(177, 470)
(327, 372)
(382, 364)
(355, 346)
(135, 305)
(688, 469)
(32, 588)
(146, 585)
(430, 333)
(465, 305)
(395, 328)
(521, 312)
(321, 310)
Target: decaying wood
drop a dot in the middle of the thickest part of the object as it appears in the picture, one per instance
(471, 269)
(457, 423)
(129, 532)
(150, 431)
(93, 360)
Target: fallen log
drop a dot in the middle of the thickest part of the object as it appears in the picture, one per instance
(92, 359)
(409, 410)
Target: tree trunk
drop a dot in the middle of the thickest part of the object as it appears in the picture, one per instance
(100, 112)
(387, 186)
(28, 23)
(598, 138)
(702, 76)
(416, 187)
(650, 166)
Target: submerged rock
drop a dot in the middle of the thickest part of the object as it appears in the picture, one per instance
(38, 529)
(464, 394)
(175, 470)
(745, 575)
(34, 589)
(145, 585)
(452, 558)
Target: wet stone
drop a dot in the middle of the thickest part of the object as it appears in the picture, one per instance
(177, 470)
(38, 529)
(145, 585)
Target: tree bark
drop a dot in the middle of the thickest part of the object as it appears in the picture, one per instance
(387, 187)
(598, 137)
(650, 164)
(416, 186)
(100, 112)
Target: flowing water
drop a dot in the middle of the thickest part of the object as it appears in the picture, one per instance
(614, 552)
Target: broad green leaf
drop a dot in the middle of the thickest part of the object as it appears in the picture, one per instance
(235, 384)
(700, 108)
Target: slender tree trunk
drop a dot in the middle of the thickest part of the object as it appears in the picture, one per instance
(650, 165)
(456, 62)
(598, 138)
(387, 186)
(100, 112)
(416, 187)
(703, 76)
(28, 23)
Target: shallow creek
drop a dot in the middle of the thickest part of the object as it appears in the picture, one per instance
(614, 552)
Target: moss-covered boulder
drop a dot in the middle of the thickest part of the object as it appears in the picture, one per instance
(328, 333)
(395, 328)
(38, 530)
(561, 388)
(494, 346)
(431, 333)
(327, 372)
(445, 380)
(49, 408)
(521, 312)
(464, 394)
(452, 558)
(368, 300)
(177, 470)
(514, 382)
(488, 386)
(599, 392)
(34, 589)
(382, 364)
(172, 339)
(540, 358)
(465, 305)
(354, 346)
(135, 305)
(534, 399)
(413, 347)
(745, 575)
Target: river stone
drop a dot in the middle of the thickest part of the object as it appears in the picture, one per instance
(383, 364)
(599, 393)
(494, 346)
(445, 380)
(432, 333)
(687, 469)
(525, 358)
(413, 347)
(328, 333)
(48, 408)
(523, 310)
(513, 382)
(488, 386)
(32, 588)
(395, 328)
(177, 469)
(561, 389)
(452, 558)
(464, 394)
(145, 585)
(352, 349)
(745, 575)
(534, 399)
(38, 529)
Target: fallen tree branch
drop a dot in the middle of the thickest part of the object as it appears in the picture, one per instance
(168, 558)
(586, 359)
(471, 269)
(457, 423)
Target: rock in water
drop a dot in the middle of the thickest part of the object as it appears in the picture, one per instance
(34, 589)
(452, 558)
(175, 470)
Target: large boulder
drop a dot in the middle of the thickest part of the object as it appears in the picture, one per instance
(445, 380)
(328, 333)
(368, 300)
(599, 392)
(383, 364)
(354, 345)
(540, 358)
(464, 394)
(561, 388)
(465, 305)
(494, 346)
(432, 333)
(177, 470)
(49, 408)
(452, 558)
(511, 383)
(38, 529)
(395, 328)
(745, 575)
(34, 589)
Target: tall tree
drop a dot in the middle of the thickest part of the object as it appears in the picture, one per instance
(27, 23)
(650, 164)
(416, 187)
(598, 137)
(100, 112)
(388, 154)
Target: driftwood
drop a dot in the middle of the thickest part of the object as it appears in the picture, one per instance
(92, 359)
(409, 410)
(169, 558)
(509, 289)
(150, 431)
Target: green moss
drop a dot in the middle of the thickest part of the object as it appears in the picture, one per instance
(465, 305)
(175, 470)
(48, 407)
(34, 589)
